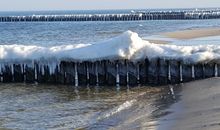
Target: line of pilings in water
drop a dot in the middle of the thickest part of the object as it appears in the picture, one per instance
(154, 72)
(165, 15)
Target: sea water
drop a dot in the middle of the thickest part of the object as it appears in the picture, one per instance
(32, 106)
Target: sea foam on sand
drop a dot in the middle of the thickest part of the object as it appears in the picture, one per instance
(125, 46)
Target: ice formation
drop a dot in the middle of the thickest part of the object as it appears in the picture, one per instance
(125, 46)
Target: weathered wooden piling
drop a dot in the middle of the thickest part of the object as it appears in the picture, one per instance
(101, 72)
(110, 73)
(18, 73)
(29, 74)
(199, 71)
(133, 73)
(174, 71)
(187, 72)
(68, 73)
(123, 72)
(143, 15)
(7, 74)
(153, 72)
(163, 71)
(218, 70)
(209, 70)
(92, 73)
(83, 78)
(143, 72)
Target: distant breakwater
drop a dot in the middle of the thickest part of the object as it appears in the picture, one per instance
(134, 16)
(154, 72)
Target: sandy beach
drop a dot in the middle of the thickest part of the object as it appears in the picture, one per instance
(185, 35)
(193, 33)
(198, 108)
(158, 41)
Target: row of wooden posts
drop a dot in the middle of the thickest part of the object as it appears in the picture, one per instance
(120, 72)
(165, 15)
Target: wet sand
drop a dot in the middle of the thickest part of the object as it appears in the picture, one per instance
(198, 108)
(193, 33)
(158, 41)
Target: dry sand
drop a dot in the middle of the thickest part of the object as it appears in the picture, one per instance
(198, 108)
(194, 33)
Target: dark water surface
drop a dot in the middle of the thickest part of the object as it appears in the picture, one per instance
(28, 106)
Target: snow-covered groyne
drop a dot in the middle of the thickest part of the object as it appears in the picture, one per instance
(122, 60)
(134, 16)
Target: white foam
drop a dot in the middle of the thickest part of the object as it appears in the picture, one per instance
(125, 46)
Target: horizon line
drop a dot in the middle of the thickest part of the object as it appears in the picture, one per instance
(107, 9)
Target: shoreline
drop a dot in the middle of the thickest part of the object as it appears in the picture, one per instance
(197, 109)
(184, 35)
(193, 33)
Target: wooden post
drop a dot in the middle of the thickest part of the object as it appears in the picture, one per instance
(122, 70)
(111, 73)
(163, 72)
(187, 72)
(92, 73)
(199, 71)
(7, 74)
(101, 68)
(218, 69)
(30, 74)
(18, 74)
(143, 68)
(175, 71)
(132, 73)
(68, 72)
(82, 73)
(153, 72)
(209, 70)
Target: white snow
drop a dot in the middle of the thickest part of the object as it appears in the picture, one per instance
(125, 46)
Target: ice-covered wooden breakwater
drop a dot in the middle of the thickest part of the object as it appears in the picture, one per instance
(149, 15)
(120, 72)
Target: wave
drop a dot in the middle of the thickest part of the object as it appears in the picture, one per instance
(125, 46)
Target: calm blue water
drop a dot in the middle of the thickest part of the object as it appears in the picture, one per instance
(60, 33)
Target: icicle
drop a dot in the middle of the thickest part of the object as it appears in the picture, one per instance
(43, 71)
(203, 70)
(169, 73)
(193, 71)
(3, 67)
(138, 73)
(87, 71)
(24, 68)
(76, 75)
(35, 72)
(96, 73)
(1, 70)
(117, 75)
(181, 73)
(127, 74)
(52, 68)
(216, 70)
(12, 71)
